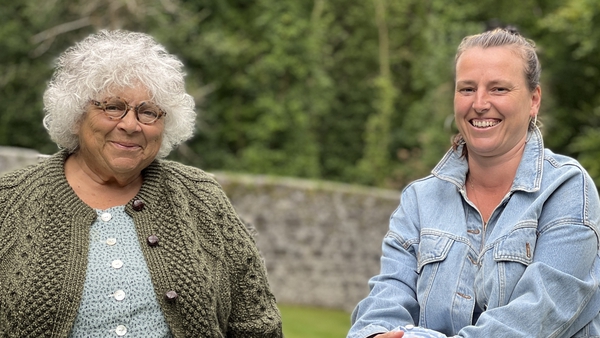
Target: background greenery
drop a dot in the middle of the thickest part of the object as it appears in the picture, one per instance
(344, 90)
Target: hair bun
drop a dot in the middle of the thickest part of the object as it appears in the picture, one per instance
(512, 30)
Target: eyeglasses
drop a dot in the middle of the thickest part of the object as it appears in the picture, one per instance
(116, 108)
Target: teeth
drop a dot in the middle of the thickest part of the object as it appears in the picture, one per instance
(484, 124)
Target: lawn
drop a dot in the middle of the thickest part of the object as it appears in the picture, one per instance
(308, 322)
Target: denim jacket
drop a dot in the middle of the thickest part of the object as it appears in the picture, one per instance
(532, 271)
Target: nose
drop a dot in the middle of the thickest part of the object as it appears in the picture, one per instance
(129, 122)
(480, 102)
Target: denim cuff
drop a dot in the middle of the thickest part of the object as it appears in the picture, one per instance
(368, 331)
(411, 331)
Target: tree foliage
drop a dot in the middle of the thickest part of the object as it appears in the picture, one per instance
(353, 91)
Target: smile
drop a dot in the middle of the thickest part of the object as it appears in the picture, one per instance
(126, 145)
(484, 123)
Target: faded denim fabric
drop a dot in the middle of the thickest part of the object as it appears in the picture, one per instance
(532, 271)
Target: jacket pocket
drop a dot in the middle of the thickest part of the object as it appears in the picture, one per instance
(432, 248)
(517, 246)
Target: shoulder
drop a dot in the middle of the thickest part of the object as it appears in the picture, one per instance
(180, 176)
(184, 171)
(431, 187)
(188, 185)
(570, 188)
(32, 175)
(558, 168)
(559, 161)
(27, 191)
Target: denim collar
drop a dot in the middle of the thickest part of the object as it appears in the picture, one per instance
(453, 167)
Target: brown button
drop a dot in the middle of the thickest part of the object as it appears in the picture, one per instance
(152, 240)
(138, 205)
(171, 296)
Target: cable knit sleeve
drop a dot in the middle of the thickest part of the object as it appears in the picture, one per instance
(219, 257)
(254, 311)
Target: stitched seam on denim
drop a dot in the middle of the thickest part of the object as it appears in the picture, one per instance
(435, 232)
(562, 221)
(403, 242)
(423, 317)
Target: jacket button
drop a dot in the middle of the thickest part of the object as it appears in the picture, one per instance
(138, 205)
(171, 296)
(152, 240)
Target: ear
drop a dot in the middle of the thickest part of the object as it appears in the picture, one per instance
(536, 101)
(77, 125)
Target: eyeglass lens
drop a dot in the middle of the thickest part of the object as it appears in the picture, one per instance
(146, 112)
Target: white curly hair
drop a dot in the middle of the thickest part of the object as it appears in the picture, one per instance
(117, 59)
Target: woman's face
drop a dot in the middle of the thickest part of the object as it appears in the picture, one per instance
(492, 101)
(121, 146)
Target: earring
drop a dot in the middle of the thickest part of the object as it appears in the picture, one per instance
(534, 120)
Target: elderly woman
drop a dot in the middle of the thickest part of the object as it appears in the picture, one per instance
(106, 239)
(501, 240)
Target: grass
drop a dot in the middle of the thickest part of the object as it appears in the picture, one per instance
(308, 322)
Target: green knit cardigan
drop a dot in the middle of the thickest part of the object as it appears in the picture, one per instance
(205, 254)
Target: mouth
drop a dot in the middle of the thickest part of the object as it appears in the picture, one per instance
(487, 123)
(126, 145)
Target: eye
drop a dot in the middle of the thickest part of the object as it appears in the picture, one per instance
(114, 105)
(466, 90)
(148, 113)
(499, 90)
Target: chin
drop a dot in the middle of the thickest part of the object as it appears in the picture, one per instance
(126, 166)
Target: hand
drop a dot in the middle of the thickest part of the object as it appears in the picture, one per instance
(393, 334)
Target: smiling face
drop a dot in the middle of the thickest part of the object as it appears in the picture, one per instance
(118, 147)
(492, 102)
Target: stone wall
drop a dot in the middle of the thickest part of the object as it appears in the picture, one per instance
(321, 241)
(13, 158)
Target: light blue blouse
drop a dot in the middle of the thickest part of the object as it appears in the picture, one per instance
(118, 296)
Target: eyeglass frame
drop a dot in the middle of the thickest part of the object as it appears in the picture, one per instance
(102, 105)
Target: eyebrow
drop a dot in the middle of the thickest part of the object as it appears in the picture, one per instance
(492, 83)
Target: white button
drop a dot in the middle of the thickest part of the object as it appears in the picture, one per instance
(119, 295)
(121, 330)
(409, 327)
(111, 241)
(106, 217)
(117, 264)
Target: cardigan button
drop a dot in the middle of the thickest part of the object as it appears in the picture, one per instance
(153, 240)
(138, 205)
(171, 296)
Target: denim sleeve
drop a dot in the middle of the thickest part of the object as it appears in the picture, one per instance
(392, 301)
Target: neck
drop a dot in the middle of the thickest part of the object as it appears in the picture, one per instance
(100, 191)
(80, 167)
(494, 173)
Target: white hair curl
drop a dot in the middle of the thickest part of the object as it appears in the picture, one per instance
(117, 59)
